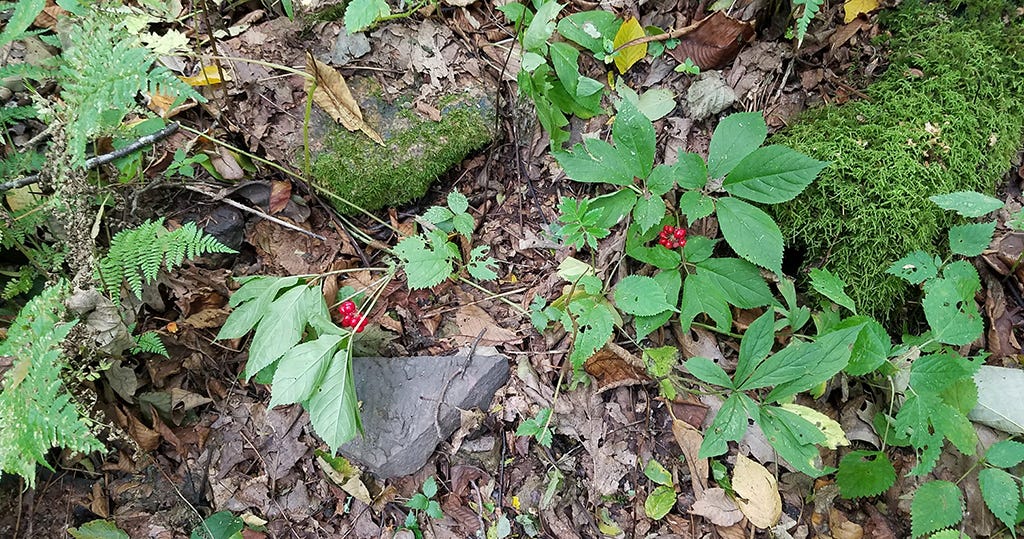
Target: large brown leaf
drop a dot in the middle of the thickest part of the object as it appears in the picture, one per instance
(333, 95)
(714, 41)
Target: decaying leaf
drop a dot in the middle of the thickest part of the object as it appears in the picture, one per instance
(332, 94)
(714, 42)
(630, 30)
(208, 75)
(689, 440)
(853, 8)
(717, 507)
(758, 493)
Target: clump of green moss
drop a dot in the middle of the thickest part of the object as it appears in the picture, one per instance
(415, 153)
(946, 116)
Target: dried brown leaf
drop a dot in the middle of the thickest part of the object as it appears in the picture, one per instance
(280, 194)
(332, 94)
(758, 491)
(717, 507)
(715, 42)
(689, 440)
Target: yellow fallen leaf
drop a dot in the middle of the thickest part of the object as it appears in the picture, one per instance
(834, 435)
(208, 75)
(332, 94)
(628, 56)
(758, 493)
(853, 8)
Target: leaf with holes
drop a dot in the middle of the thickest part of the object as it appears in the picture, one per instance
(952, 315)
(916, 268)
(640, 295)
(971, 239)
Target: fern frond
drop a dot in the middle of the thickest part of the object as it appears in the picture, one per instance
(150, 342)
(25, 71)
(25, 11)
(36, 412)
(136, 255)
(14, 114)
(811, 8)
(20, 284)
(101, 74)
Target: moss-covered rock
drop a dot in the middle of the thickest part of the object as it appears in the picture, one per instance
(416, 150)
(947, 116)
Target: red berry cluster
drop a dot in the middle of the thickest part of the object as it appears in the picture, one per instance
(350, 317)
(672, 237)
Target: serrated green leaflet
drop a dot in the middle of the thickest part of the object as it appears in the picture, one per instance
(751, 233)
(933, 373)
(735, 137)
(831, 287)
(458, 202)
(333, 408)
(730, 424)
(801, 365)
(281, 327)
(692, 171)
(738, 281)
(755, 345)
(360, 14)
(640, 295)
(595, 321)
(301, 368)
(102, 529)
(634, 138)
(701, 295)
(254, 296)
(425, 266)
(670, 282)
(865, 473)
(660, 502)
(696, 205)
(661, 180)
(708, 371)
(698, 249)
(220, 525)
(954, 318)
(916, 268)
(936, 505)
(772, 174)
(966, 203)
(595, 161)
(794, 438)
(972, 239)
(648, 212)
(1005, 454)
(1001, 494)
(870, 350)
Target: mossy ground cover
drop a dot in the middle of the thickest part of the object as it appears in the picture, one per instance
(415, 153)
(946, 116)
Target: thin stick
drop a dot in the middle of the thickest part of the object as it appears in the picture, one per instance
(255, 211)
(100, 159)
(671, 34)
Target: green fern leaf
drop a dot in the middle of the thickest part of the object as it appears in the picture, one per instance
(811, 8)
(150, 343)
(25, 11)
(36, 411)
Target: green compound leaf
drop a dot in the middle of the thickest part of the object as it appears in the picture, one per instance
(933, 373)
(729, 425)
(648, 212)
(751, 233)
(772, 174)
(735, 137)
(865, 473)
(537, 33)
(595, 161)
(657, 473)
(301, 368)
(708, 371)
(871, 348)
(916, 268)
(437, 214)
(429, 488)
(972, 239)
(967, 203)
(634, 137)
(1001, 494)
(360, 14)
(425, 266)
(282, 326)
(104, 529)
(936, 505)
(692, 171)
(927, 420)
(953, 316)
(696, 205)
(333, 407)
(640, 295)
(755, 345)
(482, 267)
(802, 365)
(434, 510)
(698, 249)
(458, 202)
(660, 502)
(595, 321)
(831, 287)
(417, 502)
(1005, 454)
(739, 282)
(539, 427)
(661, 180)
(670, 282)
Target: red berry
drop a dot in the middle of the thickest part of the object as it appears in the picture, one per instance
(361, 325)
(347, 307)
(680, 233)
(667, 229)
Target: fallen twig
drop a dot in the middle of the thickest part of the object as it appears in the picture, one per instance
(254, 211)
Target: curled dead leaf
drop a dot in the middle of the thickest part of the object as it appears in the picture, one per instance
(758, 492)
(332, 94)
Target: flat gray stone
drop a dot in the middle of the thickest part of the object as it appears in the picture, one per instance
(709, 95)
(349, 47)
(400, 402)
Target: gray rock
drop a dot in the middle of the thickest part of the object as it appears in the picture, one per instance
(709, 95)
(400, 402)
(349, 47)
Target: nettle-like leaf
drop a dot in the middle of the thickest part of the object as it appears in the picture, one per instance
(831, 287)
(951, 311)
(1005, 454)
(772, 174)
(916, 268)
(696, 205)
(936, 505)
(539, 427)
(631, 157)
(1001, 494)
(865, 473)
(702, 296)
(670, 282)
(971, 239)
(648, 212)
(927, 420)
(735, 137)
(361, 14)
(595, 322)
(427, 265)
(968, 204)
(482, 267)
(751, 232)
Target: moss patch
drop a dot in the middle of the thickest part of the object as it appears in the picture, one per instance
(946, 116)
(415, 153)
